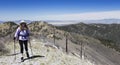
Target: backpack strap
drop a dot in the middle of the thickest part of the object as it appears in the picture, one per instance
(19, 32)
(27, 33)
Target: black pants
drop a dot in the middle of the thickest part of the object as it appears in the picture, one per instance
(22, 45)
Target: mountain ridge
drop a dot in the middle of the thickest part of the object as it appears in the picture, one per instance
(92, 49)
(108, 32)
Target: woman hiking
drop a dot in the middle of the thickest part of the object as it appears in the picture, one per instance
(22, 34)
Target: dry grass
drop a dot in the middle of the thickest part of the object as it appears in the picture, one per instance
(51, 55)
(3, 49)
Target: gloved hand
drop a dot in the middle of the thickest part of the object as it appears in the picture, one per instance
(14, 38)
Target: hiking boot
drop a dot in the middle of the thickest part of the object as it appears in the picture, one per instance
(27, 55)
(22, 59)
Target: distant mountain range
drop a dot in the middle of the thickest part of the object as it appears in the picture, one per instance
(18, 21)
(1, 21)
(104, 21)
(67, 22)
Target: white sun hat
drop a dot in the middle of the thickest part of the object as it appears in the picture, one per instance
(22, 21)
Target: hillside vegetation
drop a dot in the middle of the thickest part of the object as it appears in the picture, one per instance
(7, 28)
(108, 34)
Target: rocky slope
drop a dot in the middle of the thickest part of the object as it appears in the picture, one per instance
(43, 54)
(7, 28)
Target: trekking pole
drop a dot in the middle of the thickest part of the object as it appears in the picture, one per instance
(14, 50)
(30, 47)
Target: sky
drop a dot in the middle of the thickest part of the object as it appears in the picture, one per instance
(59, 9)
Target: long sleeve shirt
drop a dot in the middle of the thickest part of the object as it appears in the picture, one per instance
(22, 34)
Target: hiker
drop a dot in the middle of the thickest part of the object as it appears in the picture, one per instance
(22, 34)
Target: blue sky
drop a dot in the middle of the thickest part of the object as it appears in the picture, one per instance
(54, 9)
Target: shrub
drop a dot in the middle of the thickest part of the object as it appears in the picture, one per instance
(3, 49)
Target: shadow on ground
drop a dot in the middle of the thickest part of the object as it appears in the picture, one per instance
(13, 54)
(33, 57)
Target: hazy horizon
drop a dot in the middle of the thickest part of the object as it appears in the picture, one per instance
(67, 22)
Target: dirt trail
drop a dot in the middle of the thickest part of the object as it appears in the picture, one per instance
(42, 55)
